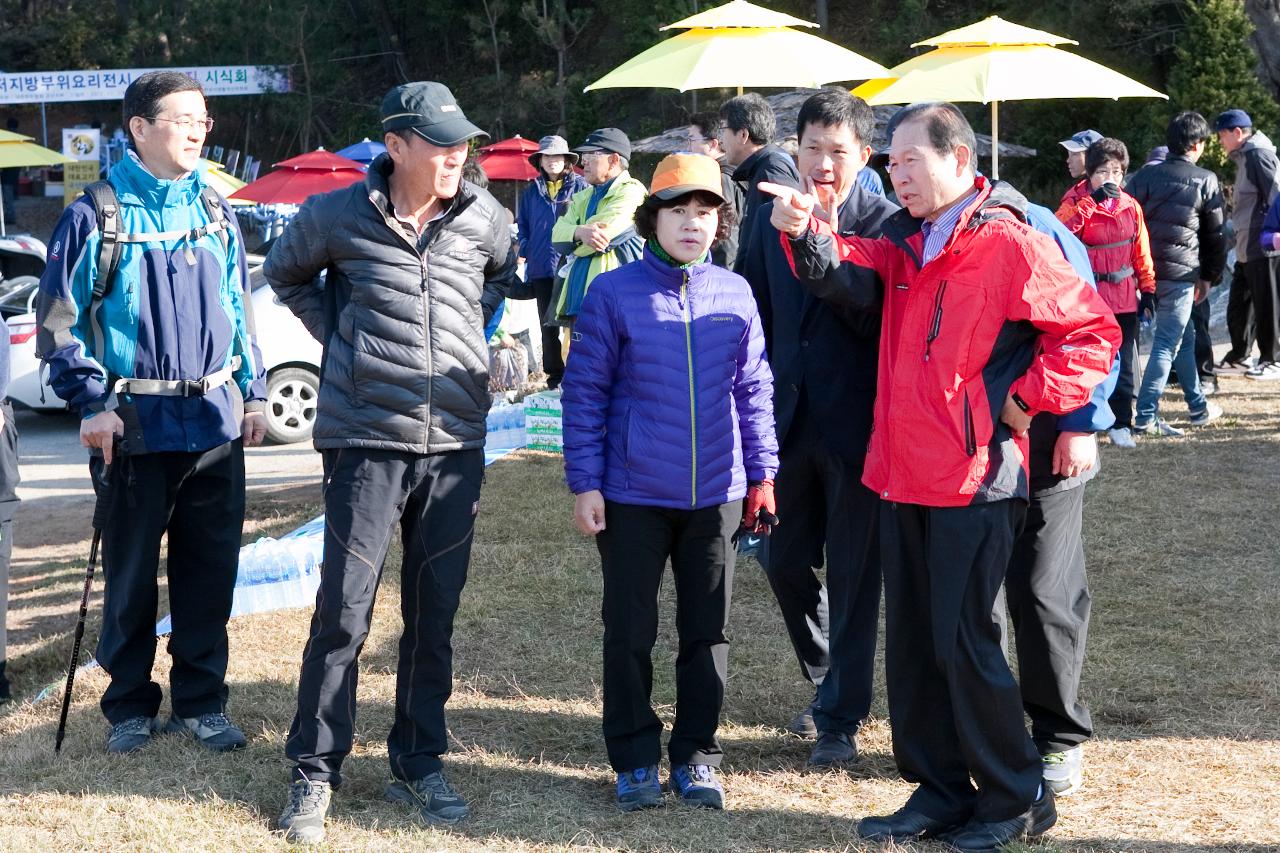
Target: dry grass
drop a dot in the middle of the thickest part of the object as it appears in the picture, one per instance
(1182, 678)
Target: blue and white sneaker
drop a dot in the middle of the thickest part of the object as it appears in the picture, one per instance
(639, 789)
(697, 785)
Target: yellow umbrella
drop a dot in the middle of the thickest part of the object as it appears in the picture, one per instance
(222, 182)
(995, 60)
(740, 45)
(738, 13)
(17, 150)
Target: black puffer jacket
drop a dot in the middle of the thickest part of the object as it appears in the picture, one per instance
(405, 358)
(1183, 208)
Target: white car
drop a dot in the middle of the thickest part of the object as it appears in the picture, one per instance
(291, 357)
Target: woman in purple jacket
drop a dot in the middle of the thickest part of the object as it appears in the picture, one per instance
(668, 425)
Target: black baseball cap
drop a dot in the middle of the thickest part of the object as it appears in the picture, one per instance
(607, 139)
(1232, 119)
(428, 109)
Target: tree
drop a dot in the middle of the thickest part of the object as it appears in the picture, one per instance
(1216, 69)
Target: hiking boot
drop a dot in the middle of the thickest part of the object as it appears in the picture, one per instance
(1064, 771)
(802, 724)
(1121, 437)
(131, 735)
(1159, 427)
(833, 749)
(1265, 371)
(1211, 413)
(697, 785)
(639, 789)
(433, 798)
(978, 836)
(1232, 367)
(303, 818)
(212, 731)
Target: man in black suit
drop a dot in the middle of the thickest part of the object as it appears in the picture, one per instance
(824, 366)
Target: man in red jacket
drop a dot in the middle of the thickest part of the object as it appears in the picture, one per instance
(985, 325)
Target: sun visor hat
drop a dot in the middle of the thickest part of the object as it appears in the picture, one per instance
(678, 174)
(553, 145)
(607, 139)
(429, 110)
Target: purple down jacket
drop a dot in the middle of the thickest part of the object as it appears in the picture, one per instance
(668, 397)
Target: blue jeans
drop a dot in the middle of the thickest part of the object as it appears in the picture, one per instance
(1173, 344)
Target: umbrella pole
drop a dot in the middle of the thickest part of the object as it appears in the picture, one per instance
(995, 140)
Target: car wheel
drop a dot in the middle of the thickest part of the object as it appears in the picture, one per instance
(291, 404)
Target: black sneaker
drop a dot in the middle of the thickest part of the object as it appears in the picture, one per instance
(434, 799)
(303, 818)
(212, 731)
(802, 724)
(131, 735)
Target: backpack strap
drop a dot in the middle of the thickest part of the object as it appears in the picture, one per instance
(217, 216)
(107, 206)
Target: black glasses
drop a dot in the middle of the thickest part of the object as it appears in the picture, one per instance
(187, 122)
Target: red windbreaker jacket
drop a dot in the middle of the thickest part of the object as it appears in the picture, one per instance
(999, 309)
(1119, 248)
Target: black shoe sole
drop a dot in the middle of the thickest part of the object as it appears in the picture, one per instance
(639, 805)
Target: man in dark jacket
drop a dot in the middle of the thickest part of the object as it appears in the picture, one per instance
(1252, 306)
(746, 137)
(1183, 208)
(545, 201)
(704, 138)
(417, 263)
(824, 364)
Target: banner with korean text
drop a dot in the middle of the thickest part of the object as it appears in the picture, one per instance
(108, 85)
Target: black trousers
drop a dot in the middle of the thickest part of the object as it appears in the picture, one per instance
(1121, 399)
(634, 548)
(1262, 275)
(434, 499)
(1240, 319)
(198, 499)
(1204, 342)
(552, 360)
(1048, 598)
(824, 506)
(954, 706)
(9, 479)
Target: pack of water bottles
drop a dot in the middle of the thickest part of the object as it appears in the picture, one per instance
(278, 573)
(504, 426)
(544, 421)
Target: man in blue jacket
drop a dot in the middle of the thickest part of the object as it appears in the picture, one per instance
(545, 201)
(1046, 586)
(824, 363)
(169, 384)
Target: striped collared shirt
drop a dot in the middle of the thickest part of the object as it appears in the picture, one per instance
(937, 233)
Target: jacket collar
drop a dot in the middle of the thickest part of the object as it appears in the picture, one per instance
(378, 186)
(749, 165)
(135, 185)
(995, 200)
(669, 277)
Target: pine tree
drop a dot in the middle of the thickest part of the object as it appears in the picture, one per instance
(1216, 69)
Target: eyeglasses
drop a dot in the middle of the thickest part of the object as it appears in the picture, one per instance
(187, 122)
(1104, 172)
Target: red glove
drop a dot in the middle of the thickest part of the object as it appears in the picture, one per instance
(759, 511)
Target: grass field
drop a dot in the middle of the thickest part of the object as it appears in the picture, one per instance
(1183, 678)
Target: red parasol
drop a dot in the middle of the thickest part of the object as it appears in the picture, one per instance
(298, 178)
(508, 160)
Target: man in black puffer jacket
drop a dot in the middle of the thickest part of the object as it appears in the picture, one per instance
(417, 263)
(1183, 208)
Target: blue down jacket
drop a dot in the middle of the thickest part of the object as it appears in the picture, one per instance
(537, 212)
(667, 393)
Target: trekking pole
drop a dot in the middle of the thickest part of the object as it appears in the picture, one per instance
(100, 510)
